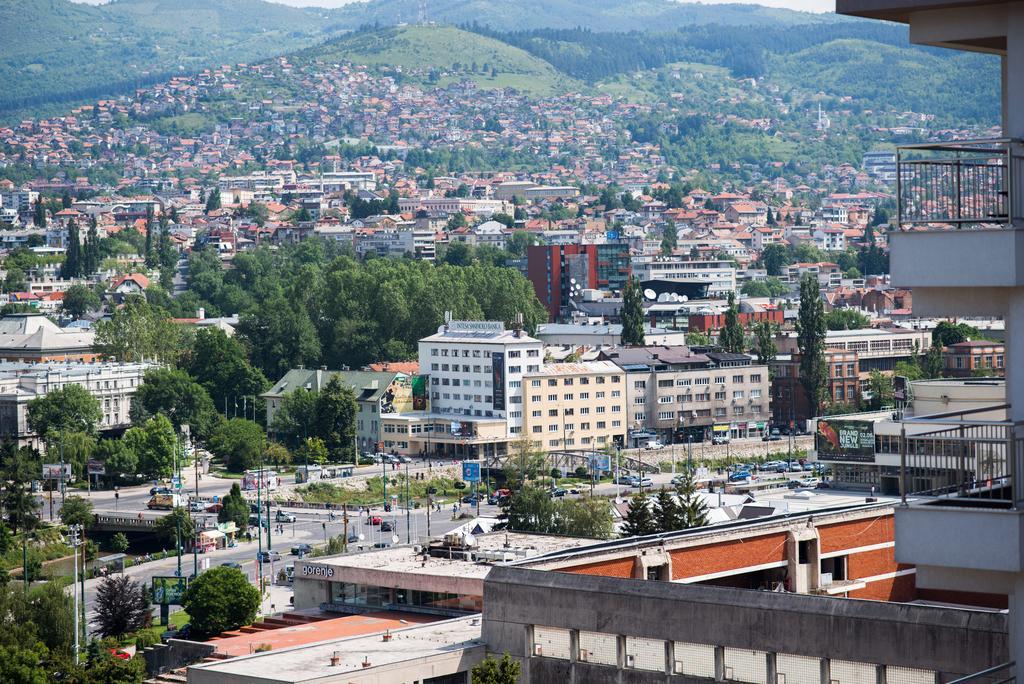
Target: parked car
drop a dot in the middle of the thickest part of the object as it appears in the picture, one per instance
(641, 482)
(196, 507)
(625, 479)
(574, 490)
(353, 538)
(654, 444)
(283, 517)
(258, 520)
(301, 550)
(469, 499)
(809, 482)
(558, 492)
(772, 436)
(739, 476)
(387, 527)
(793, 484)
(231, 564)
(824, 485)
(268, 556)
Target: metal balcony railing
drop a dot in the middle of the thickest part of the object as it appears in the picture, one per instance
(962, 460)
(1000, 674)
(961, 183)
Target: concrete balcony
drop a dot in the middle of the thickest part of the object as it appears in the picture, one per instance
(960, 538)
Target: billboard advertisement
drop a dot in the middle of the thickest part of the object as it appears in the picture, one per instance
(95, 467)
(498, 381)
(420, 383)
(471, 471)
(845, 440)
(168, 590)
(52, 471)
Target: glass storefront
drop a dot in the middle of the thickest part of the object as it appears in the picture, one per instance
(345, 593)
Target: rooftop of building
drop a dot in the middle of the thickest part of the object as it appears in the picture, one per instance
(367, 385)
(33, 331)
(479, 332)
(405, 559)
(577, 368)
(314, 661)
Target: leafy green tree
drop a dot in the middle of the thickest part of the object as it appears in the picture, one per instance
(811, 331)
(118, 460)
(520, 241)
(280, 336)
(39, 213)
(639, 519)
(239, 443)
(72, 267)
(764, 334)
(459, 253)
(174, 527)
(693, 510)
(121, 606)
(80, 300)
(532, 510)
(15, 280)
(697, 339)
(278, 454)
(22, 507)
(947, 333)
(769, 287)
(77, 511)
(911, 370)
(731, 337)
(174, 394)
(932, 365)
(219, 600)
(335, 419)
(119, 542)
(153, 443)
(219, 364)
(70, 408)
(585, 517)
(774, 258)
(846, 319)
(295, 415)
(493, 671)
(234, 508)
(667, 515)
(213, 200)
(313, 450)
(137, 332)
(881, 390)
(632, 314)
(669, 238)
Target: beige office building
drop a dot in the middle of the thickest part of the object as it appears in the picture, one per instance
(575, 406)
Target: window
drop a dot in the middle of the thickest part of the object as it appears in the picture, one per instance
(719, 379)
(665, 383)
(639, 384)
(584, 396)
(532, 368)
(433, 366)
(567, 381)
(737, 394)
(532, 353)
(515, 369)
(667, 399)
(616, 394)
(552, 428)
(538, 428)
(535, 383)
(683, 382)
(433, 352)
(514, 354)
(720, 396)
(599, 395)
(476, 369)
(553, 413)
(666, 415)
(639, 400)
(600, 379)
(702, 381)
(616, 409)
(737, 378)
(584, 381)
(601, 424)
(534, 397)
(640, 417)
(756, 377)
(568, 412)
(600, 409)
(584, 411)
(755, 394)
(616, 423)
(720, 412)
(568, 397)
(514, 384)
(552, 397)
(584, 426)
(569, 427)
(535, 414)
(552, 382)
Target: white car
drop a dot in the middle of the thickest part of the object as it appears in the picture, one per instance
(654, 444)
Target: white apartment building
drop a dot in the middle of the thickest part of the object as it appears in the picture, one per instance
(719, 274)
(453, 205)
(476, 370)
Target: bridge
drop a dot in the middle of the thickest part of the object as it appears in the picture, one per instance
(571, 460)
(113, 521)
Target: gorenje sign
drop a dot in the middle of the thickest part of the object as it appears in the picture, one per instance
(318, 571)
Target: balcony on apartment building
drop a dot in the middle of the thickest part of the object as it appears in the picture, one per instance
(957, 205)
(962, 484)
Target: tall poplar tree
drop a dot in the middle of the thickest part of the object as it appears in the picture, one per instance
(632, 314)
(73, 253)
(730, 338)
(811, 331)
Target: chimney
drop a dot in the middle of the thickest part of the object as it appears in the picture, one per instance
(335, 659)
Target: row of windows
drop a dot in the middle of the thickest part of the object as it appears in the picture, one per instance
(583, 380)
(479, 353)
(570, 427)
(459, 382)
(721, 412)
(686, 382)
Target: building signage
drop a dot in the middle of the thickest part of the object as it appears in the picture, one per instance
(52, 471)
(168, 590)
(845, 440)
(95, 467)
(600, 462)
(324, 571)
(498, 381)
(477, 326)
(470, 471)
(720, 428)
(419, 392)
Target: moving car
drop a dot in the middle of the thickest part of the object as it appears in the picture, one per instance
(387, 527)
(641, 482)
(559, 492)
(740, 476)
(374, 520)
(160, 489)
(654, 444)
(231, 564)
(268, 556)
(301, 550)
(283, 517)
(196, 507)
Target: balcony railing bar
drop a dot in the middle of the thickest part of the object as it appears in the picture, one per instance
(1000, 674)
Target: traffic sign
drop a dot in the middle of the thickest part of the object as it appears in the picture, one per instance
(471, 471)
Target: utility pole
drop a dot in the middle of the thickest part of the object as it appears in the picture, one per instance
(74, 545)
(408, 508)
(259, 531)
(195, 549)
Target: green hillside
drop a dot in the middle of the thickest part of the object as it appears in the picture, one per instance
(424, 51)
(597, 15)
(55, 50)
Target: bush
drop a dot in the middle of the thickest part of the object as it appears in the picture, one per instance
(582, 472)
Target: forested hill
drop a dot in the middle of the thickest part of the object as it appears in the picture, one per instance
(56, 50)
(597, 15)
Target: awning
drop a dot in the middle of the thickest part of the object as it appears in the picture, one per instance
(211, 534)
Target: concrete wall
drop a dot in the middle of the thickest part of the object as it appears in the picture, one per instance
(940, 639)
(176, 653)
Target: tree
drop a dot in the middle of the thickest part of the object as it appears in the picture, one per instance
(520, 241)
(693, 510)
(335, 419)
(774, 258)
(669, 238)
(697, 339)
(585, 517)
(234, 508)
(153, 444)
(632, 314)
(295, 415)
(947, 333)
(881, 390)
(70, 408)
(278, 454)
(172, 393)
(77, 511)
(119, 542)
(639, 519)
(811, 332)
(79, 300)
(118, 460)
(769, 287)
(667, 515)
(15, 280)
(532, 510)
(458, 253)
(280, 336)
(219, 600)
(213, 200)
(313, 450)
(39, 213)
(218, 363)
(72, 267)
(174, 527)
(239, 443)
(932, 366)
(731, 337)
(91, 250)
(846, 319)
(121, 606)
(492, 671)
(764, 334)
(137, 332)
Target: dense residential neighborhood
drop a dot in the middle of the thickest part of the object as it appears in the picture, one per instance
(420, 341)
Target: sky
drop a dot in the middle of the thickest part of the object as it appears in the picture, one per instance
(802, 5)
